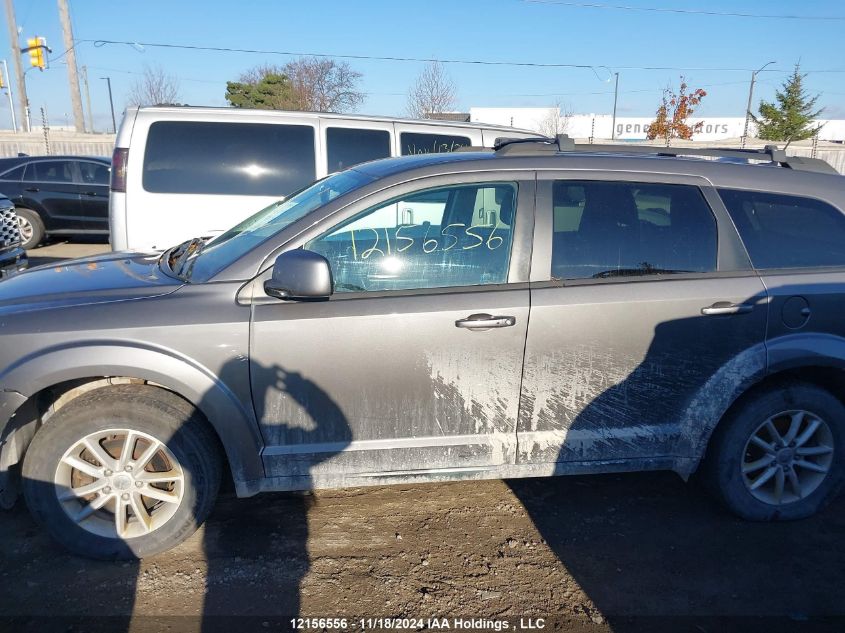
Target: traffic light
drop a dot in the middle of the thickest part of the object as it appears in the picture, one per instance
(36, 47)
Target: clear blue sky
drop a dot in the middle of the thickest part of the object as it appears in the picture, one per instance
(498, 30)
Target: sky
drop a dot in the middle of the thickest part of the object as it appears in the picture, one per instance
(714, 52)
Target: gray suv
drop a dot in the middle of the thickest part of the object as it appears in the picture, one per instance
(538, 309)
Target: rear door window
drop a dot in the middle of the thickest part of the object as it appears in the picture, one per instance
(608, 229)
(416, 143)
(781, 231)
(350, 146)
(256, 159)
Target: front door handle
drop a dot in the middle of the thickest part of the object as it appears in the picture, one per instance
(485, 321)
(33, 189)
(89, 193)
(726, 307)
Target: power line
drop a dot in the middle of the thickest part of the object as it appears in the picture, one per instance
(476, 62)
(597, 5)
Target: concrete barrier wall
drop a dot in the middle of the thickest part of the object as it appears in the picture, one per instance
(34, 144)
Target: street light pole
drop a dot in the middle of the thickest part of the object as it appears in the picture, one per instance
(111, 103)
(9, 94)
(748, 107)
(615, 97)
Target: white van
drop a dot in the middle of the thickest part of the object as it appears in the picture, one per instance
(182, 172)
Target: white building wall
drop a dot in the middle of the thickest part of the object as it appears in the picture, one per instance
(628, 128)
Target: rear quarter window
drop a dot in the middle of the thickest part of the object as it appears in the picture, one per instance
(13, 174)
(783, 231)
(228, 158)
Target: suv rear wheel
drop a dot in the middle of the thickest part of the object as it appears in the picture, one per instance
(122, 472)
(780, 455)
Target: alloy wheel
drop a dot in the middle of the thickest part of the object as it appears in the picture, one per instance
(787, 457)
(119, 483)
(26, 229)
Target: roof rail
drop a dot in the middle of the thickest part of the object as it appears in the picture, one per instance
(563, 143)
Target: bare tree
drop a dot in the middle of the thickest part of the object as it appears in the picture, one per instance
(154, 87)
(556, 121)
(433, 93)
(317, 84)
(324, 85)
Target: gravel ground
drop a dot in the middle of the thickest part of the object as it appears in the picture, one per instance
(622, 552)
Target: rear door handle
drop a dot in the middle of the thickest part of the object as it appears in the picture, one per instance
(89, 193)
(485, 321)
(31, 189)
(726, 307)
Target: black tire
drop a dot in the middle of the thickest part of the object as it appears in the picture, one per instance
(156, 412)
(34, 220)
(726, 451)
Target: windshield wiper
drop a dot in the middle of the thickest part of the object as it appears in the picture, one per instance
(177, 255)
(631, 272)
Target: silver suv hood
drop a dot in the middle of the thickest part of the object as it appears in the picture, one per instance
(99, 279)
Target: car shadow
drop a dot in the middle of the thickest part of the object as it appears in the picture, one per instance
(262, 563)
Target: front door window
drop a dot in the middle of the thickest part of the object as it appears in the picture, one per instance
(445, 237)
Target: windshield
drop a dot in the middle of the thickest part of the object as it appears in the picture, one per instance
(260, 227)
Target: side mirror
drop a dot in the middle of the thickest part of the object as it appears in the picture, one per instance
(300, 275)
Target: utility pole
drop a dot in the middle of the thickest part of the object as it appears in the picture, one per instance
(8, 85)
(88, 99)
(748, 107)
(73, 79)
(615, 98)
(23, 101)
(111, 103)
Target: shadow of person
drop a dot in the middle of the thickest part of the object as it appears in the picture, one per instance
(645, 548)
(256, 549)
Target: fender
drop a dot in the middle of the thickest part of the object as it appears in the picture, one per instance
(806, 350)
(710, 403)
(234, 423)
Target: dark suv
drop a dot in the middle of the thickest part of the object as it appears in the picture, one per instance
(58, 195)
(12, 255)
(536, 310)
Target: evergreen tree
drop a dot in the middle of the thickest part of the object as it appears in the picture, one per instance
(791, 117)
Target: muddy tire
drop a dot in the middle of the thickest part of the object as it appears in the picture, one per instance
(122, 472)
(31, 227)
(780, 454)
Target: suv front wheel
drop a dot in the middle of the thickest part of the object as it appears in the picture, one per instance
(122, 472)
(31, 228)
(780, 455)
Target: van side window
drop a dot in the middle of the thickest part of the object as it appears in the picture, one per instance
(414, 143)
(350, 146)
(630, 229)
(782, 231)
(228, 158)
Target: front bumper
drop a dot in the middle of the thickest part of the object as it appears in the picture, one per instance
(12, 261)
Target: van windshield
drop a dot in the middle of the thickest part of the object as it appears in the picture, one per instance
(260, 227)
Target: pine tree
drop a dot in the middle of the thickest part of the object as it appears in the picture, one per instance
(791, 118)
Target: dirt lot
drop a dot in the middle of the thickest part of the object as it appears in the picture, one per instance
(641, 552)
(621, 552)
